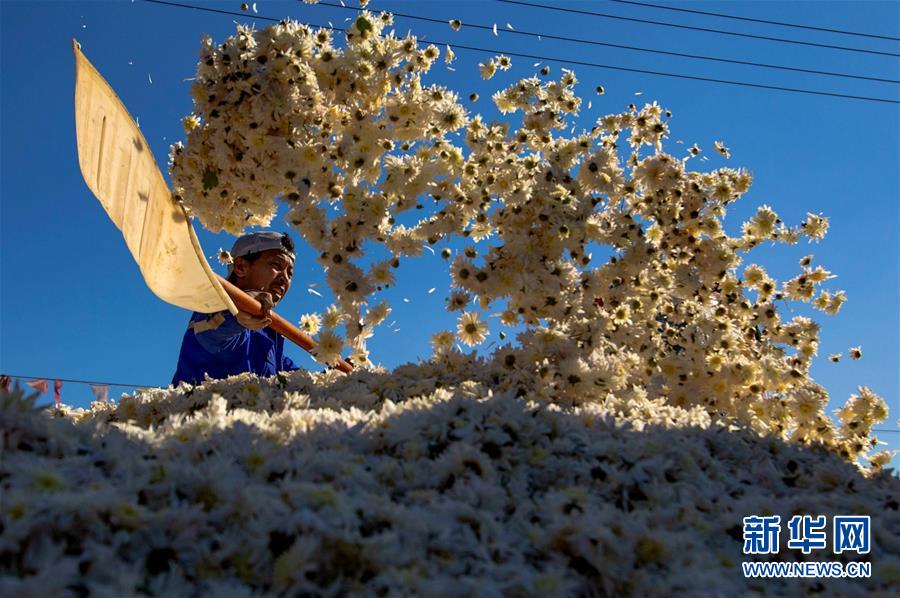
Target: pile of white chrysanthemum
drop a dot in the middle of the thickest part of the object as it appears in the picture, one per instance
(450, 477)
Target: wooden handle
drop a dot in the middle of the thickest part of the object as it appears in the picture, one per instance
(245, 302)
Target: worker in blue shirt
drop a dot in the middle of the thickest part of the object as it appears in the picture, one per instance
(222, 344)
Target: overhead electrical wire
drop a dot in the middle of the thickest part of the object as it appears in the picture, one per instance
(562, 60)
(754, 20)
(693, 28)
(624, 47)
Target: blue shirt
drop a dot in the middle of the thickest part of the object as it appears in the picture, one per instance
(217, 344)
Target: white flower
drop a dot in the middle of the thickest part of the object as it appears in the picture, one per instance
(470, 329)
(720, 147)
(815, 226)
(333, 317)
(488, 69)
(328, 347)
(450, 56)
(442, 341)
(311, 323)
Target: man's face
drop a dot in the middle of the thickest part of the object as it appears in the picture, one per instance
(271, 272)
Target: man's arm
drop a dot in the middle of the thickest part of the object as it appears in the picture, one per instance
(224, 332)
(220, 333)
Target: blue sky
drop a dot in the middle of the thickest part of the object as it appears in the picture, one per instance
(72, 300)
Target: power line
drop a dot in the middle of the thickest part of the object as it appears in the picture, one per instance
(767, 22)
(224, 12)
(707, 30)
(568, 61)
(624, 47)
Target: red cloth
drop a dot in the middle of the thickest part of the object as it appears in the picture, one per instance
(4, 382)
(39, 385)
(57, 386)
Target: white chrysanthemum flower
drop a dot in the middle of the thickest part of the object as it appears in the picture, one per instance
(333, 317)
(881, 458)
(442, 341)
(720, 147)
(754, 275)
(488, 69)
(382, 274)
(376, 315)
(311, 323)
(762, 225)
(360, 357)
(328, 347)
(509, 318)
(449, 56)
(815, 227)
(190, 123)
(458, 300)
(835, 303)
(470, 329)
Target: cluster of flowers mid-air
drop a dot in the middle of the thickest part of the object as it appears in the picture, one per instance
(352, 137)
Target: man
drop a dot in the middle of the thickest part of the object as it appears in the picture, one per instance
(222, 344)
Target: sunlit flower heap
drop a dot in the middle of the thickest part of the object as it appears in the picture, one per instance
(441, 478)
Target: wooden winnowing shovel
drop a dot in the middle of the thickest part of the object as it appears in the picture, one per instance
(120, 170)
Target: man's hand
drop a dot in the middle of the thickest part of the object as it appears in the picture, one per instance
(257, 322)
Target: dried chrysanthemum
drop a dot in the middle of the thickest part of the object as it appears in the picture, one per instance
(311, 323)
(449, 56)
(458, 300)
(816, 226)
(333, 317)
(488, 69)
(328, 347)
(720, 147)
(470, 329)
(442, 341)
(225, 257)
(190, 123)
